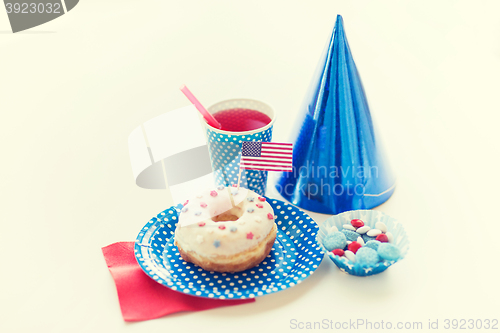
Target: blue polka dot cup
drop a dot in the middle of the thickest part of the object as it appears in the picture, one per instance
(225, 146)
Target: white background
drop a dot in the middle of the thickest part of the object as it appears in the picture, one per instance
(73, 89)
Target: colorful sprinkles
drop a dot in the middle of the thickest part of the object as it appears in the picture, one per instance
(232, 228)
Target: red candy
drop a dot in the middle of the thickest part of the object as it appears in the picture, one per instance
(250, 235)
(235, 185)
(202, 204)
(259, 205)
(222, 227)
(201, 224)
(382, 238)
(213, 193)
(354, 247)
(187, 201)
(357, 223)
(262, 199)
(338, 252)
(270, 216)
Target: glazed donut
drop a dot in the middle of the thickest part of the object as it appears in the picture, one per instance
(226, 230)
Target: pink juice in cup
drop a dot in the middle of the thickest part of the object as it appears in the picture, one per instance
(241, 119)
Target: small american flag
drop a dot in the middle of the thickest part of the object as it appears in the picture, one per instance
(266, 156)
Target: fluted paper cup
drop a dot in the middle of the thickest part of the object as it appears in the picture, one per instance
(370, 218)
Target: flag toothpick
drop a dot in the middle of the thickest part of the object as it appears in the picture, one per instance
(265, 156)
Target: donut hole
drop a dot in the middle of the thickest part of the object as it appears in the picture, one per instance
(230, 215)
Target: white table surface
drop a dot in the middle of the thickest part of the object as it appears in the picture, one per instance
(72, 90)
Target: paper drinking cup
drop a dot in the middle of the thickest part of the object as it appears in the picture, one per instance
(225, 146)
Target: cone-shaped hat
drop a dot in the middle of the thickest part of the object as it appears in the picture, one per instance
(338, 160)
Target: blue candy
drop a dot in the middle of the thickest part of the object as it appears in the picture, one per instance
(334, 241)
(367, 256)
(350, 235)
(388, 251)
(373, 244)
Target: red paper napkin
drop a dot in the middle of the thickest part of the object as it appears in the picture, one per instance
(141, 298)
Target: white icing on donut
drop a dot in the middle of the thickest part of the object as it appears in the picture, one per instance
(200, 228)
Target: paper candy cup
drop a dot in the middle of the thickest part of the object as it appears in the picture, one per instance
(225, 146)
(370, 218)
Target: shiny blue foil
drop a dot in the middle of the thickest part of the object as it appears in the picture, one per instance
(338, 161)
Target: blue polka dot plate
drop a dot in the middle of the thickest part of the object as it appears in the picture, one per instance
(294, 257)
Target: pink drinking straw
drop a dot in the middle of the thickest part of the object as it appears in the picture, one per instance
(208, 117)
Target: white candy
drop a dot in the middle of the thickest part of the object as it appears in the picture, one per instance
(348, 227)
(363, 230)
(333, 229)
(350, 255)
(361, 241)
(390, 236)
(349, 242)
(374, 232)
(381, 226)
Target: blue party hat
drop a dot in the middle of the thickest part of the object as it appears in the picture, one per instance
(338, 161)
